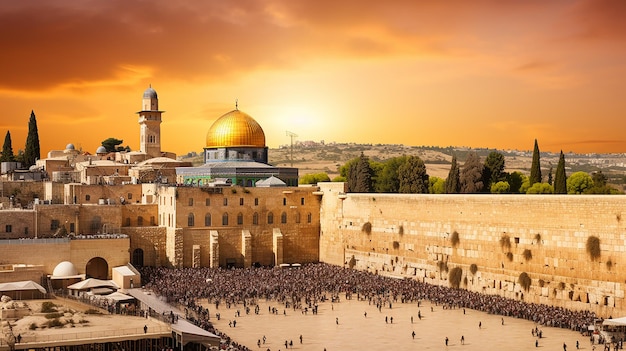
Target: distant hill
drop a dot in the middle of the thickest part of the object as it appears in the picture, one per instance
(313, 157)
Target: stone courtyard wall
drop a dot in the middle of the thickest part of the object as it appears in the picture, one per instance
(502, 236)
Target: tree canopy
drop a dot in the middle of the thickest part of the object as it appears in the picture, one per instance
(579, 182)
(32, 149)
(453, 182)
(412, 176)
(494, 166)
(7, 149)
(314, 178)
(560, 179)
(535, 167)
(472, 174)
(111, 145)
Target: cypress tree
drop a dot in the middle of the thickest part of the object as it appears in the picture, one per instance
(31, 151)
(7, 149)
(560, 179)
(471, 178)
(453, 184)
(364, 182)
(413, 177)
(535, 168)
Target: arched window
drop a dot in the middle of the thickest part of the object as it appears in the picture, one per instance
(283, 218)
(270, 218)
(207, 220)
(255, 219)
(139, 221)
(309, 218)
(225, 219)
(240, 218)
(298, 217)
(190, 220)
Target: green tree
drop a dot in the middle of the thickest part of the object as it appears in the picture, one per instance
(314, 178)
(579, 182)
(472, 174)
(540, 188)
(535, 168)
(436, 185)
(494, 166)
(413, 177)
(515, 180)
(453, 182)
(32, 149)
(360, 176)
(7, 149)
(501, 187)
(560, 179)
(111, 145)
(387, 180)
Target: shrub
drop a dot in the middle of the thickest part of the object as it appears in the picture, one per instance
(524, 280)
(473, 268)
(593, 247)
(92, 311)
(367, 228)
(609, 264)
(509, 256)
(396, 245)
(455, 276)
(48, 307)
(538, 238)
(454, 239)
(528, 255)
(505, 242)
(561, 285)
(443, 267)
(465, 281)
(32, 326)
(54, 323)
(401, 229)
(54, 315)
(542, 283)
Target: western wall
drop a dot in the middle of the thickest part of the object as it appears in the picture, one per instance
(536, 248)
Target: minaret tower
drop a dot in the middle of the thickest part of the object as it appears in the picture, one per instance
(150, 124)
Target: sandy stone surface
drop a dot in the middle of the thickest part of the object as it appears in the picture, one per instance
(344, 326)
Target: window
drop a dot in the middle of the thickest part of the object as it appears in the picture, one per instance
(225, 201)
(283, 218)
(298, 217)
(208, 202)
(87, 197)
(302, 201)
(130, 196)
(26, 231)
(191, 201)
(240, 218)
(152, 221)
(128, 221)
(190, 220)
(207, 220)
(284, 201)
(54, 224)
(255, 219)
(256, 201)
(8, 228)
(139, 221)
(270, 218)
(241, 201)
(225, 219)
(309, 218)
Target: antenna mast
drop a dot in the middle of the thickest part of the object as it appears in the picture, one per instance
(292, 135)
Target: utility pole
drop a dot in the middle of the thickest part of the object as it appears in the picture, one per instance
(292, 136)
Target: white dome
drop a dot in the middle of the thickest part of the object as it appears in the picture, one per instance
(65, 269)
(101, 150)
(70, 147)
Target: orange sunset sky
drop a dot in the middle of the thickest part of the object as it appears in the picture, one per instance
(480, 73)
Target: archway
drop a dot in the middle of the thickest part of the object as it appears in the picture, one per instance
(98, 268)
(137, 259)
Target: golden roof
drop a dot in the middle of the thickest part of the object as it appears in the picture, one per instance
(235, 128)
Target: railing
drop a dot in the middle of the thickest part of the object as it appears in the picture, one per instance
(96, 334)
(34, 241)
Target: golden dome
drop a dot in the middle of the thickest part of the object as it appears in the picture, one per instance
(235, 128)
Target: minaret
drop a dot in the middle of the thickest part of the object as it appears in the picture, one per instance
(150, 124)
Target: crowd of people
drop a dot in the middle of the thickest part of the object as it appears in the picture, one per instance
(305, 287)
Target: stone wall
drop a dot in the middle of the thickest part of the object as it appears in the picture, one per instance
(503, 236)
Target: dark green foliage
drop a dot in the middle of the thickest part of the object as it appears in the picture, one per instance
(453, 182)
(593, 247)
(492, 171)
(535, 168)
(53, 323)
(360, 176)
(53, 315)
(111, 144)
(524, 280)
(367, 228)
(314, 178)
(473, 268)
(560, 179)
(527, 254)
(388, 180)
(550, 176)
(48, 307)
(454, 239)
(455, 276)
(515, 180)
(7, 149)
(32, 150)
(412, 176)
(471, 176)
(600, 185)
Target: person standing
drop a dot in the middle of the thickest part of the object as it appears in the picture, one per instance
(413, 334)
(462, 340)
(446, 341)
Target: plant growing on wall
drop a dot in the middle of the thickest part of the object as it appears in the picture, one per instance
(455, 276)
(396, 244)
(401, 229)
(454, 239)
(367, 228)
(524, 280)
(527, 254)
(443, 267)
(593, 247)
(505, 242)
(473, 268)
(609, 264)
(465, 281)
(542, 283)
(561, 286)
(538, 238)
(509, 256)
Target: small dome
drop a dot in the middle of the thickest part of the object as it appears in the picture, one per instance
(235, 128)
(101, 150)
(65, 269)
(70, 147)
(150, 93)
